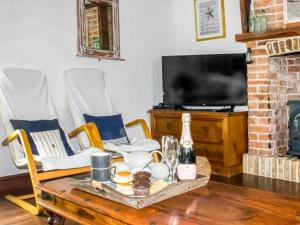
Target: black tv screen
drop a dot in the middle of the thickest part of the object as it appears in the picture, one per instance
(199, 80)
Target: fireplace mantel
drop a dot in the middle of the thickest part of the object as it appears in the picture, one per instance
(270, 34)
(277, 27)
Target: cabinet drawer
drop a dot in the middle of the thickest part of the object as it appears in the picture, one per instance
(207, 130)
(202, 130)
(166, 126)
(213, 152)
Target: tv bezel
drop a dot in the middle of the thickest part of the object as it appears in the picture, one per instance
(181, 105)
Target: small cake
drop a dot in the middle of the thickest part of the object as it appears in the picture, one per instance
(141, 183)
(141, 188)
(124, 177)
(142, 174)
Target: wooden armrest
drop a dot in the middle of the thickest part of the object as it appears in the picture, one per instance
(21, 134)
(77, 131)
(92, 132)
(14, 135)
(143, 123)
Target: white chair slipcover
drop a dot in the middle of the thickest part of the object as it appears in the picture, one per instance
(87, 93)
(24, 95)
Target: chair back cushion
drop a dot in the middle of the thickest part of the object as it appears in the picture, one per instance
(49, 143)
(111, 128)
(41, 126)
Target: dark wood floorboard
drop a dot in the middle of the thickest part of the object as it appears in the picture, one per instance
(14, 215)
(11, 214)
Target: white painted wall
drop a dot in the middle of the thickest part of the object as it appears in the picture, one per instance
(185, 34)
(43, 33)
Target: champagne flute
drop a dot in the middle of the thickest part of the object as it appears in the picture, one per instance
(165, 139)
(171, 153)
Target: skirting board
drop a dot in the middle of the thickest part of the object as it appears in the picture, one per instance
(282, 168)
(15, 183)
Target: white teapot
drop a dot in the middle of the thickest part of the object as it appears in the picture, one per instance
(138, 159)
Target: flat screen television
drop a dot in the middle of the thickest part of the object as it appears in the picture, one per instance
(205, 80)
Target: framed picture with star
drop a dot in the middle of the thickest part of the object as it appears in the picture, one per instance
(209, 19)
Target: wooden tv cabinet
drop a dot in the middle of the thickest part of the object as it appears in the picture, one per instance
(220, 136)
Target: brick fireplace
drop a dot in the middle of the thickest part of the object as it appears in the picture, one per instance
(272, 82)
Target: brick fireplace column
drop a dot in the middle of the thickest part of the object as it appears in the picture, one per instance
(259, 102)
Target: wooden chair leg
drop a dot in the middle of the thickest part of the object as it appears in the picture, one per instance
(20, 201)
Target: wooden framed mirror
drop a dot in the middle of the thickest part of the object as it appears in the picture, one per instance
(98, 29)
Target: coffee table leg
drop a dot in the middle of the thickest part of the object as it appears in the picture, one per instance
(54, 219)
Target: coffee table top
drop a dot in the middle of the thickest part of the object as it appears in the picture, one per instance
(217, 203)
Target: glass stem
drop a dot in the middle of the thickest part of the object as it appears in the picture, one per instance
(173, 176)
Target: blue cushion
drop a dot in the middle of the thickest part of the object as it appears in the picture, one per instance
(40, 126)
(111, 128)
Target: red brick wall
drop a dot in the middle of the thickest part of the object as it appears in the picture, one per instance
(260, 114)
(110, 27)
(271, 83)
(92, 16)
(94, 29)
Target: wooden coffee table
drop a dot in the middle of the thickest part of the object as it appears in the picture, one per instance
(217, 203)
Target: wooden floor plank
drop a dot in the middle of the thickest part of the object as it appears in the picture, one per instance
(14, 215)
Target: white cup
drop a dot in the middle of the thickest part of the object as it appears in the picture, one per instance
(121, 166)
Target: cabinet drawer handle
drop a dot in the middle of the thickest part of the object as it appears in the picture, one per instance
(205, 129)
(169, 125)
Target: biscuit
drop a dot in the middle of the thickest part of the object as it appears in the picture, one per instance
(157, 186)
(123, 177)
(125, 189)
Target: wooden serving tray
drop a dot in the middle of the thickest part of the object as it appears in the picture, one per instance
(141, 202)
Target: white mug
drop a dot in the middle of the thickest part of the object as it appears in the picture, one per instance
(121, 166)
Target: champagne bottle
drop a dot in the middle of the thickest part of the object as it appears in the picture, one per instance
(187, 159)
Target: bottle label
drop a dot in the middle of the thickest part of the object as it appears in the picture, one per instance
(186, 171)
(187, 143)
